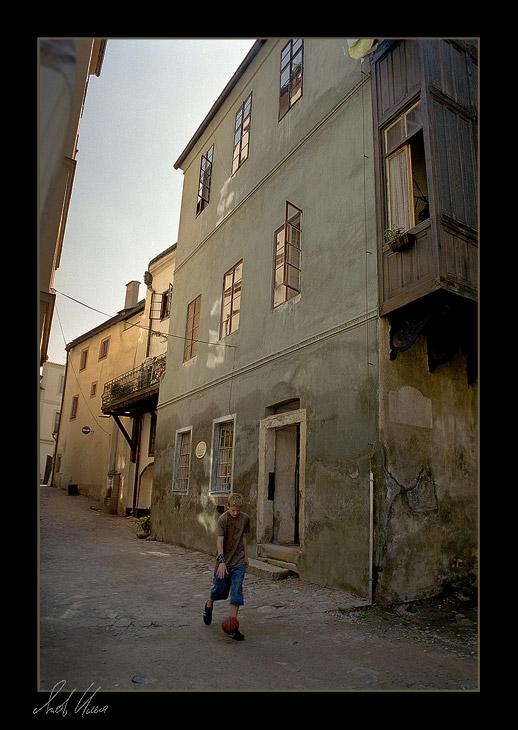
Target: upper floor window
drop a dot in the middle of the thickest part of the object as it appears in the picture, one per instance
(291, 75)
(407, 188)
(103, 350)
(161, 304)
(242, 134)
(205, 179)
(231, 309)
(191, 332)
(74, 407)
(288, 256)
(84, 359)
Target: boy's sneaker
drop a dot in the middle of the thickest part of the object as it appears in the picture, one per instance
(237, 635)
(207, 615)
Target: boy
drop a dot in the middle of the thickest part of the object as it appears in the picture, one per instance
(232, 560)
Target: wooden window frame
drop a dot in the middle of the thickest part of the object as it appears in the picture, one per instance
(103, 348)
(182, 460)
(231, 301)
(83, 359)
(192, 328)
(291, 72)
(287, 257)
(398, 138)
(242, 134)
(204, 181)
(74, 407)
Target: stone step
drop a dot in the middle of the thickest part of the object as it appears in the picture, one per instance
(263, 569)
(272, 551)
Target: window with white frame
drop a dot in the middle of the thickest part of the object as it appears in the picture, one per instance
(223, 456)
(182, 462)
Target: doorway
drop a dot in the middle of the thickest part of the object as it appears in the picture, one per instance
(282, 457)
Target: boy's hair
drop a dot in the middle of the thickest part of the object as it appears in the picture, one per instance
(236, 500)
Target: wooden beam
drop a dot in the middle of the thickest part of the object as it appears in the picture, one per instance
(124, 432)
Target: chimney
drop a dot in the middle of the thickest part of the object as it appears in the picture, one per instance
(131, 294)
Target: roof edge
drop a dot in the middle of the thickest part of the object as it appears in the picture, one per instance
(221, 98)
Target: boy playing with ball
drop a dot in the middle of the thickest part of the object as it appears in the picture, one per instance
(231, 563)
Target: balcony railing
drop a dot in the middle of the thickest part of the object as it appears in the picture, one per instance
(139, 381)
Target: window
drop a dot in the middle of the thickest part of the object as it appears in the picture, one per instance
(182, 463)
(205, 179)
(55, 427)
(242, 134)
(191, 333)
(288, 255)
(103, 350)
(231, 300)
(83, 359)
(93, 389)
(73, 410)
(223, 451)
(407, 188)
(160, 307)
(152, 435)
(291, 75)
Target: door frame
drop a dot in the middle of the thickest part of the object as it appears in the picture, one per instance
(267, 428)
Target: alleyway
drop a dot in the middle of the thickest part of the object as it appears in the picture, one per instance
(125, 614)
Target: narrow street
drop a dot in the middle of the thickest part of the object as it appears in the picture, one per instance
(125, 614)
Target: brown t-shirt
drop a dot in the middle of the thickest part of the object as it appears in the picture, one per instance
(232, 529)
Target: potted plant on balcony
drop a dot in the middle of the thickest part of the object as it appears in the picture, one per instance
(398, 237)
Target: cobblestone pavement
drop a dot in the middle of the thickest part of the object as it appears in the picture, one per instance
(125, 615)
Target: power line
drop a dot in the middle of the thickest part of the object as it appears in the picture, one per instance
(148, 329)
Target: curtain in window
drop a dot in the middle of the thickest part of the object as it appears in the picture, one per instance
(400, 189)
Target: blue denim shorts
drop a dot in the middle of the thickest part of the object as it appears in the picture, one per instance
(231, 583)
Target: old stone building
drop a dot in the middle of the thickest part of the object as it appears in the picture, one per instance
(314, 367)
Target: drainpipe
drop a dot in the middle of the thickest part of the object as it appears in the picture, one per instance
(371, 535)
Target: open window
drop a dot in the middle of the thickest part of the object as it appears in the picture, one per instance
(291, 75)
(288, 256)
(405, 168)
(205, 180)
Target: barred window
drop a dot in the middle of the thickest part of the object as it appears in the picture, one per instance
(223, 457)
(182, 465)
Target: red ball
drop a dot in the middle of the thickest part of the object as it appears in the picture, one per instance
(230, 625)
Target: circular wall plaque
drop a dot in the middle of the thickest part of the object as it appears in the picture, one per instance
(201, 449)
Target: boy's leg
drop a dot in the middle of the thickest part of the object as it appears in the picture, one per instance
(237, 575)
(219, 592)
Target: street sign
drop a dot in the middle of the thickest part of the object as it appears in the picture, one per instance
(86, 429)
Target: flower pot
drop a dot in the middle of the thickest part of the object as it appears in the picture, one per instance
(406, 239)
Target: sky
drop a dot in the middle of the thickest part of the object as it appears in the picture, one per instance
(139, 115)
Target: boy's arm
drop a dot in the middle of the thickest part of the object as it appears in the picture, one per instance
(222, 568)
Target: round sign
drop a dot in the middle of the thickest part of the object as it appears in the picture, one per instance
(86, 429)
(201, 449)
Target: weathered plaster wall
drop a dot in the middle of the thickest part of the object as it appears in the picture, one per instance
(427, 498)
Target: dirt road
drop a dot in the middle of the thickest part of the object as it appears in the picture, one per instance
(124, 614)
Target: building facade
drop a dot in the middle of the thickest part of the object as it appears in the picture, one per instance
(52, 383)
(292, 378)
(106, 440)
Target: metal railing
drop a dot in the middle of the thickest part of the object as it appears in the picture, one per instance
(129, 384)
